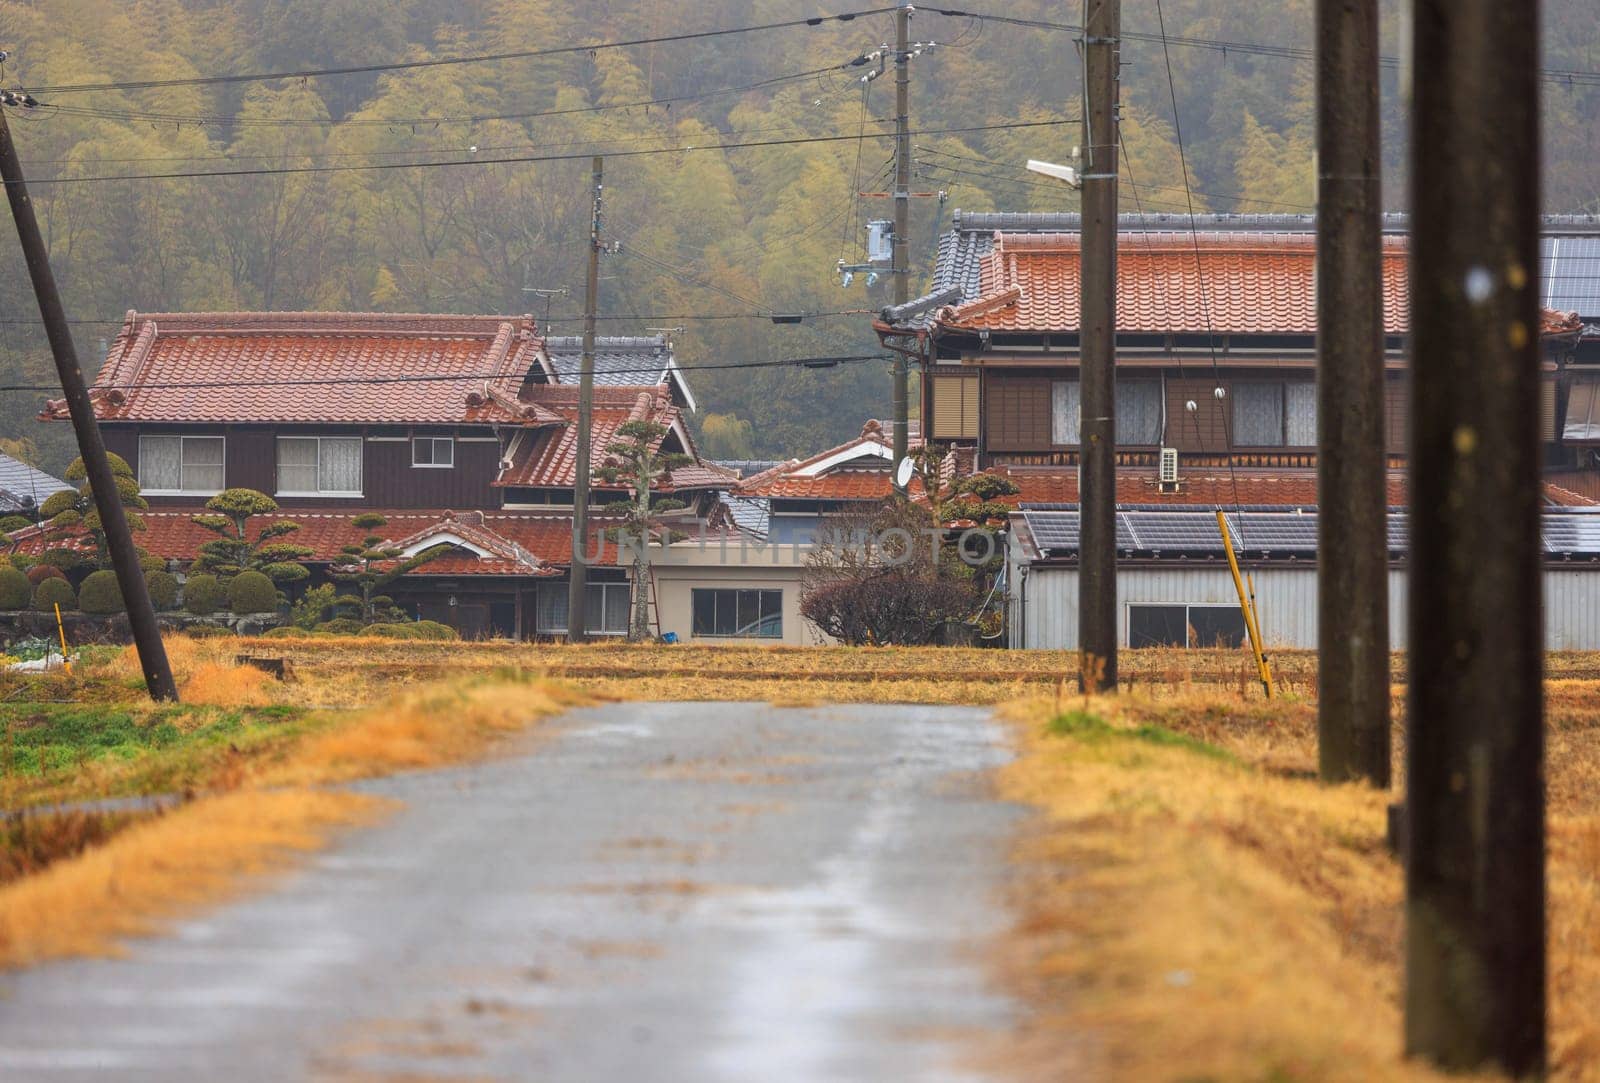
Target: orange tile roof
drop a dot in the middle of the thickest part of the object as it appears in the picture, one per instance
(849, 480)
(548, 458)
(1236, 284)
(311, 367)
(512, 538)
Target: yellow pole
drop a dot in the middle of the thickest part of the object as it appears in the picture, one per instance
(1246, 606)
(61, 629)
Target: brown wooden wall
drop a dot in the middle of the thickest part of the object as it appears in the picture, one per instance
(388, 478)
(1016, 411)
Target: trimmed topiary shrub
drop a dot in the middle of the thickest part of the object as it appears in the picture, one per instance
(432, 629)
(202, 595)
(21, 561)
(54, 592)
(252, 592)
(163, 587)
(40, 572)
(99, 593)
(386, 630)
(65, 559)
(341, 626)
(15, 589)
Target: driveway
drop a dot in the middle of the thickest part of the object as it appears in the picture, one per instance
(637, 892)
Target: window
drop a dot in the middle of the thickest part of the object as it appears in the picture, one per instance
(437, 451)
(955, 407)
(741, 614)
(1185, 626)
(181, 464)
(1273, 414)
(319, 466)
(1138, 412)
(605, 609)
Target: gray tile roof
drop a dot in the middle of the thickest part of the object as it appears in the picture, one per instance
(751, 514)
(1569, 259)
(619, 361)
(22, 487)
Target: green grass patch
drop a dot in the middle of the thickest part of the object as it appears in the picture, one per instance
(54, 752)
(1089, 726)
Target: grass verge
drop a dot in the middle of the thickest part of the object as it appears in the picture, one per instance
(261, 803)
(1194, 906)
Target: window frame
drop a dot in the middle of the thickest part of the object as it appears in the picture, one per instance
(594, 607)
(331, 494)
(739, 631)
(1244, 635)
(182, 489)
(433, 443)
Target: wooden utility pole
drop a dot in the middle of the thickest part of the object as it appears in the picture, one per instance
(1352, 534)
(1475, 873)
(578, 580)
(108, 502)
(1097, 470)
(902, 218)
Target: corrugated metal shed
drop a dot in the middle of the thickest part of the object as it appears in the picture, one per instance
(23, 488)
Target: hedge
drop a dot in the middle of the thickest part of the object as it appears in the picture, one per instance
(252, 592)
(100, 593)
(163, 587)
(202, 595)
(422, 629)
(15, 589)
(40, 572)
(52, 592)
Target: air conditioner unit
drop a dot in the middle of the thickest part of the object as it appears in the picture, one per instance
(1169, 469)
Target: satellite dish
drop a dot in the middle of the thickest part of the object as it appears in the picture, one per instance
(903, 472)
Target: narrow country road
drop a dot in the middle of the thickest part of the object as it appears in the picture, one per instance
(639, 892)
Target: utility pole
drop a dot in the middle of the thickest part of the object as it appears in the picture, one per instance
(1475, 869)
(902, 218)
(1352, 532)
(577, 625)
(113, 520)
(1097, 470)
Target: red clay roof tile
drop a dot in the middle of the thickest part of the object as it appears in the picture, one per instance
(309, 367)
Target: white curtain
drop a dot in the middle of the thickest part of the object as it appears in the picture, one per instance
(202, 464)
(339, 465)
(1065, 413)
(550, 609)
(1300, 426)
(1139, 412)
(608, 605)
(161, 463)
(297, 464)
(1257, 414)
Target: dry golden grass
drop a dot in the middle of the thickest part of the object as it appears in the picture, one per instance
(1211, 912)
(216, 685)
(161, 868)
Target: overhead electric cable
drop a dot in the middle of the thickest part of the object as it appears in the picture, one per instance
(439, 62)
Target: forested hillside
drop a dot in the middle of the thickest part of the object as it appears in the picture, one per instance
(323, 211)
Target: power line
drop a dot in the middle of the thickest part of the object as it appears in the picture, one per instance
(374, 381)
(1568, 76)
(235, 120)
(439, 62)
(525, 159)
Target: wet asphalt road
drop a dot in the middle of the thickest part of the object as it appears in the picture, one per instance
(639, 892)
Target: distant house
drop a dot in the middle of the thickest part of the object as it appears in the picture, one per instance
(1216, 409)
(459, 430)
(24, 488)
(801, 493)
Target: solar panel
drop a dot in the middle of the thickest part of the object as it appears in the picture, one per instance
(1288, 533)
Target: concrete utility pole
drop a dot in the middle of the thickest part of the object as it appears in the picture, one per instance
(578, 580)
(1475, 879)
(1097, 471)
(1352, 542)
(113, 519)
(902, 216)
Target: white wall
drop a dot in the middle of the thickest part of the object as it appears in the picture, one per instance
(1286, 600)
